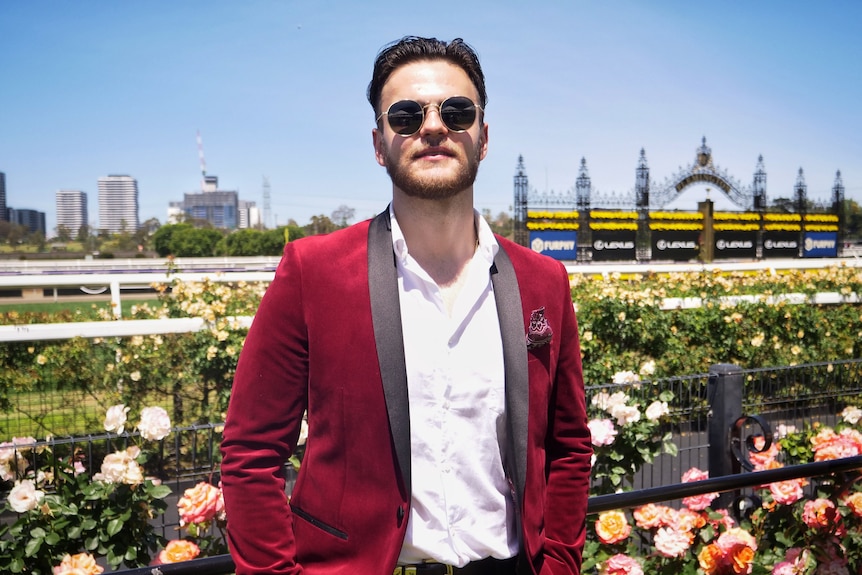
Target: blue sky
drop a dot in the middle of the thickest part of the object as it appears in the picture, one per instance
(277, 90)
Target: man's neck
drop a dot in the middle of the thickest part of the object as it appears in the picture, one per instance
(441, 235)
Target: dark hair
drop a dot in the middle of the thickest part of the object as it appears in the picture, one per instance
(413, 48)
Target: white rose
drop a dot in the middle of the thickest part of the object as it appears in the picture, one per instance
(648, 368)
(155, 423)
(24, 496)
(626, 377)
(851, 415)
(115, 419)
(657, 409)
(121, 467)
(625, 414)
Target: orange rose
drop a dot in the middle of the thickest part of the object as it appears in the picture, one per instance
(741, 559)
(650, 516)
(709, 558)
(854, 502)
(177, 551)
(79, 564)
(612, 527)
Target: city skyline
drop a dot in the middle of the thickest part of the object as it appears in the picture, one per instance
(276, 90)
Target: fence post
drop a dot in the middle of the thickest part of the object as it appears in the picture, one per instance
(724, 393)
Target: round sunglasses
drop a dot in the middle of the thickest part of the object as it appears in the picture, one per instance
(406, 117)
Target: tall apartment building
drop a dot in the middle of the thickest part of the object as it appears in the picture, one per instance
(33, 220)
(3, 216)
(249, 215)
(71, 210)
(118, 204)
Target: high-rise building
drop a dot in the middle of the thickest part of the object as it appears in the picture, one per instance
(118, 204)
(218, 207)
(33, 220)
(249, 215)
(3, 216)
(71, 211)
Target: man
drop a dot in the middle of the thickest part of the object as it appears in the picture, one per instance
(439, 366)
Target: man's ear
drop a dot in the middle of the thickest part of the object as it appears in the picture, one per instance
(379, 146)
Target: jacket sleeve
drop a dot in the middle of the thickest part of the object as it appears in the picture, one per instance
(568, 451)
(264, 417)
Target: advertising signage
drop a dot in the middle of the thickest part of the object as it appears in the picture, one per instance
(735, 245)
(560, 245)
(612, 245)
(675, 245)
(820, 245)
(780, 244)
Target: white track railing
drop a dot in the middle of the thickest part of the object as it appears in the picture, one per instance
(121, 279)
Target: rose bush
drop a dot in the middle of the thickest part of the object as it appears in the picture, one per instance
(65, 517)
(788, 531)
(626, 433)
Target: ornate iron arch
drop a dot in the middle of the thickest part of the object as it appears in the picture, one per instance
(702, 171)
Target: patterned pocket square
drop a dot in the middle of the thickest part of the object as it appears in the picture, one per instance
(539, 332)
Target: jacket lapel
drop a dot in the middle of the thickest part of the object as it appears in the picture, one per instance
(388, 335)
(386, 318)
(511, 316)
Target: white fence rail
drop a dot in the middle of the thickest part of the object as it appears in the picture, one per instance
(124, 280)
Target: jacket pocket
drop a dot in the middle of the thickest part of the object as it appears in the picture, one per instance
(318, 523)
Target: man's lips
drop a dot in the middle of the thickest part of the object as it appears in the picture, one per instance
(434, 153)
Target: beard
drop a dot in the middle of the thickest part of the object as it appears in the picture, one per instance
(433, 187)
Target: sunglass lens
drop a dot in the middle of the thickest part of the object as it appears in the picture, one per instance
(458, 113)
(405, 117)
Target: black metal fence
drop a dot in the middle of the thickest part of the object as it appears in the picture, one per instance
(712, 416)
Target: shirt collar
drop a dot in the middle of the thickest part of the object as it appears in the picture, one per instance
(488, 246)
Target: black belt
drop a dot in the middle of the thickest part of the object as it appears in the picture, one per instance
(488, 566)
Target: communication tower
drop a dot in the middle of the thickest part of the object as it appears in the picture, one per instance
(266, 202)
(203, 162)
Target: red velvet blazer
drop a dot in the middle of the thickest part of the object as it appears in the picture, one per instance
(327, 338)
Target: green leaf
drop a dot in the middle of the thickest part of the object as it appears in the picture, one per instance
(114, 526)
(131, 553)
(91, 542)
(89, 524)
(32, 547)
(158, 491)
(53, 538)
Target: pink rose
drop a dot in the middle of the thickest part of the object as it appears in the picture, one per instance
(697, 502)
(671, 542)
(787, 492)
(620, 564)
(200, 504)
(602, 431)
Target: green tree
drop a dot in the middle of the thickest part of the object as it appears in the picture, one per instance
(342, 215)
(853, 215)
(294, 232)
(320, 224)
(63, 233)
(241, 243)
(502, 224)
(272, 241)
(161, 239)
(195, 242)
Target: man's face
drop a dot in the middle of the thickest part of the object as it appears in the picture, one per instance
(433, 163)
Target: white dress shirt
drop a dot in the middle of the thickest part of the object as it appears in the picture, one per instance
(462, 507)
